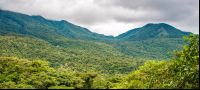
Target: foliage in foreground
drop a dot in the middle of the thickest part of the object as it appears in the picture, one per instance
(23, 74)
(182, 72)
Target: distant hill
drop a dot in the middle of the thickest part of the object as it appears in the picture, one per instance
(151, 41)
(160, 30)
(42, 28)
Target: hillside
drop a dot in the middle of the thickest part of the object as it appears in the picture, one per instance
(151, 49)
(46, 29)
(160, 30)
(152, 41)
(102, 60)
(182, 72)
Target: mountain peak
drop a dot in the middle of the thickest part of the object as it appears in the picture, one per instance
(157, 24)
(153, 30)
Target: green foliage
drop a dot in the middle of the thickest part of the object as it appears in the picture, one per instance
(7, 85)
(186, 65)
(182, 72)
(22, 86)
(25, 74)
(150, 75)
(99, 82)
(61, 87)
(83, 80)
(115, 79)
(37, 74)
(103, 59)
(151, 49)
(151, 30)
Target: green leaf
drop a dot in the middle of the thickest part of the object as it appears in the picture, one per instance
(185, 37)
(165, 85)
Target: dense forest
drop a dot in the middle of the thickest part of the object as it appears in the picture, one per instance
(181, 72)
(104, 58)
(36, 53)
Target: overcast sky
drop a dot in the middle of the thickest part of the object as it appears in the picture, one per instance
(112, 17)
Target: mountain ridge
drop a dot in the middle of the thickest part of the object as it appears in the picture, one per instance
(65, 34)
(61, 25)
(22, 20)
(159, 30)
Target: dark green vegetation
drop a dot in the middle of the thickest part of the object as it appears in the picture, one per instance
(148, 41)
(102, 59)
(182, 72)
(45, 54)
(155, 31)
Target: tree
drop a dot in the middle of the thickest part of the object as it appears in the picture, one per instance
(181, 72)
(185, 67)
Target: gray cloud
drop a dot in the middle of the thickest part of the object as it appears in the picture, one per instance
(154, 9)
(106, 15)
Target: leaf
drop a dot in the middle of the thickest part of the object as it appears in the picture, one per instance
(165, 85)
(185, 37)
(186, 41)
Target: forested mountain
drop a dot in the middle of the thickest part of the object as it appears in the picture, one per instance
(46, 29)
(160, 30)
(151, 41)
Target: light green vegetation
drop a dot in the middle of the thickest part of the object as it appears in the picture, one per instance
(182, 72)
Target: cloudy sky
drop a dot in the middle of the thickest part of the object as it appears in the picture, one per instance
(112, 17)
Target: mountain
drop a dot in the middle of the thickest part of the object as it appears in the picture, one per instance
(160, 30)
(59, 42)
(57, 33)
(150, 42)
(40, 27)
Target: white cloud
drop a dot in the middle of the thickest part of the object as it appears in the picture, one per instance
(112, 28)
